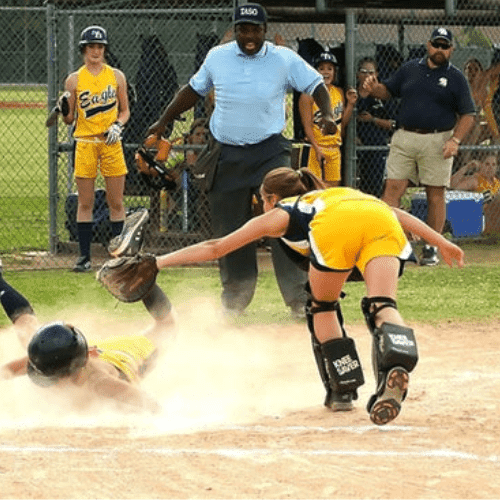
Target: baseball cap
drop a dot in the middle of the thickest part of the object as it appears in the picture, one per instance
(252, 13)
(443, 34)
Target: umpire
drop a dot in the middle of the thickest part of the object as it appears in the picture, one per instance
(251, 78)
(436, 113)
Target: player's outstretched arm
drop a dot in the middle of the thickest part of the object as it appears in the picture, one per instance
(14, 368)
(272, 224)
(104, 385)
(450, 252)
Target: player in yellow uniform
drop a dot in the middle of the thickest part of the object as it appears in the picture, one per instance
(323, 157)
(59, 354)
(99, 108)
(330, 232)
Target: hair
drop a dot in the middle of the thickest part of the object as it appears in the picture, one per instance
(198, 122)
(368, 60)
(286, 182)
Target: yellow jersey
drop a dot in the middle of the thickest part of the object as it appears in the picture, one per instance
(337, 104)
(96, 101)
(131, 355)
(484, 184)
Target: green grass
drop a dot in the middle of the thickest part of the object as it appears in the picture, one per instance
(425, 295)
(20, 93)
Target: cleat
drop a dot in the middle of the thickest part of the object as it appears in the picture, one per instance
(429, 256)
(82, 265)
(339, 402)
(129, 242)
(386, 407)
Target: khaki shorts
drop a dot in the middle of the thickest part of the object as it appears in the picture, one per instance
(89, 156)
(419, 158)
(353, 232)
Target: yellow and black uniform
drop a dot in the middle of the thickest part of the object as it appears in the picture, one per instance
(484, 184)
(131, 355)
(96, 111)
(340, 228)
(329, 144)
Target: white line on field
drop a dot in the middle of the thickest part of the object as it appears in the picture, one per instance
(355, 429)
(257, 452)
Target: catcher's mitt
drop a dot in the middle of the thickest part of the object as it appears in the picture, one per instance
(129, 279)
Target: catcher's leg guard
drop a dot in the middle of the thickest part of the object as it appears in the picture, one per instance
(337, 360)
(394, 355)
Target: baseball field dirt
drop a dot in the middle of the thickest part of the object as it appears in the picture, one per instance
(243, 418)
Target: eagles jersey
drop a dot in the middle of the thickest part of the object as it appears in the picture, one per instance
(131, 355)
(337, 104)
(96, 101)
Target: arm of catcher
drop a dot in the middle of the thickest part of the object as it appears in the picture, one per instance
(273, 224)
(450, 252)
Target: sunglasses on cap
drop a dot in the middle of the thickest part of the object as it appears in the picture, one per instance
(441, 45)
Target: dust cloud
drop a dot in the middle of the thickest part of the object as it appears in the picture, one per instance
(214, 375)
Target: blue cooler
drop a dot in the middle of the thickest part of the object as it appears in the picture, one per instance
(464, 211)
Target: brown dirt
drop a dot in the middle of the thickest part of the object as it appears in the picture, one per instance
(243, 418)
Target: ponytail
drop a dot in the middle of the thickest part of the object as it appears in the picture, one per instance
(287, 182)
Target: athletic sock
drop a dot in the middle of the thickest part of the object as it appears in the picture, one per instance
(116, 227)
(12, 301)
(84, 238)
(157, 303)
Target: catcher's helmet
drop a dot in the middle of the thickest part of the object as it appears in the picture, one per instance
(93, 34)
(325, 57)
(56, 350)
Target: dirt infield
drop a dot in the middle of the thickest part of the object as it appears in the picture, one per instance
(243, 419)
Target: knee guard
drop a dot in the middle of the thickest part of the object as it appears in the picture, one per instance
(337, 360)
(393, 345)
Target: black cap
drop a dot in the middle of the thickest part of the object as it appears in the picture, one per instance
(252, 13)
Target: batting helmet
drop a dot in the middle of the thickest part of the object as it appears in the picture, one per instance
(56, 350)
(93, 34)
(325, 57)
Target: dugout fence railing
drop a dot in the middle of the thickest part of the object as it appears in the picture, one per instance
(159, 46)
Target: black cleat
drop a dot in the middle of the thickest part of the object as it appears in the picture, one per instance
(82, 265)
(339, 402)
(386, 407)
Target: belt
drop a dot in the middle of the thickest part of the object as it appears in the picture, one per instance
(426, 130)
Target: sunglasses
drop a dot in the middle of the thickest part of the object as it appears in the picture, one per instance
(441, 45)
(367, 71)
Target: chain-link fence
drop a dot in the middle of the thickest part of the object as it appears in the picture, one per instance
(158, 46)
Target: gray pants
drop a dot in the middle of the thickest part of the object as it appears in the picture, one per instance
(231, 206)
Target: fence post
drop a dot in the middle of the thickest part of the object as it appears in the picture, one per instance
(350, 50)
(52, 131)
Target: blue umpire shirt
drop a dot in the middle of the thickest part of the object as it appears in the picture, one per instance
(430, 98)
(250, 90)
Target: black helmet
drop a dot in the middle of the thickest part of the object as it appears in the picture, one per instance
(93, 34)
(56, 350)
(325, 57)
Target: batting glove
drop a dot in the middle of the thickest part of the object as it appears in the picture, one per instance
(63, 104)
(114, 133)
